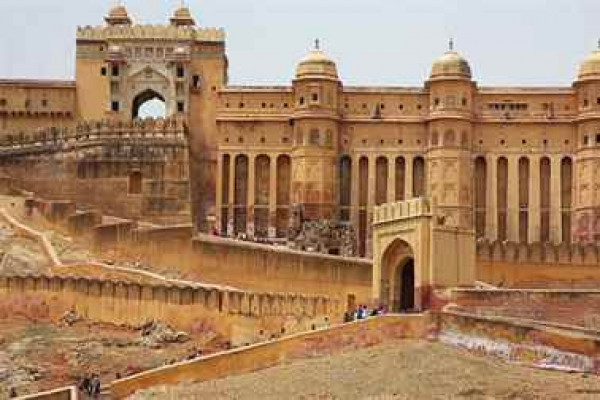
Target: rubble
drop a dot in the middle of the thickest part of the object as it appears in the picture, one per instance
(69, 318)
(155, 334)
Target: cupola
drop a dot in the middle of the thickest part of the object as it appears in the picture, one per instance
(118, 16)
(317, 65)
(451, 65)
(590, 67)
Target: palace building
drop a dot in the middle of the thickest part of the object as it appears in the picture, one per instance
(513, 164)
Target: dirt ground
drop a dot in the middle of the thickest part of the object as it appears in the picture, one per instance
(42, 356)
(412, 370)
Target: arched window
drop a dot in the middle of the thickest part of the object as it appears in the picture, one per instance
(284, 188)
(381, 180)
(566, 195)
(502, 197)
(418, 177)
(545, 199)
(523, 199)
(480, 195)
(345, 176)
(149, 104)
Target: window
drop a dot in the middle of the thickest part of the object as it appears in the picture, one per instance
(180, 106)
(2, 102)
(285, 105)
(103, 71)
(196, 80)
(401, 107)
(264, 105)
(241, 105)
(301, 100)
(44, 103)
(180, 71)
(586, 139)
(598, 100)
(315, 97)
(464, 102)
(115, 70)
(436, 102)
(27, 103)
(585, 102)
(598, 138)
(114, 106)
(314, 137)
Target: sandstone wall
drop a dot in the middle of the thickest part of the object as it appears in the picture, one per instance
(234, 314)
(571, 307)
(264, 355)
(538, 265)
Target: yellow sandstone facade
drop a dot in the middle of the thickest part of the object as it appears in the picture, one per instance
(509, 163)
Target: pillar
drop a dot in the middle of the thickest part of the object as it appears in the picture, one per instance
(219, 194)
(230, 227)
(408, 177)
(534, 215)
(251, 195)
(370, 202)
(273, 196)
(391, 183)
(513, 198)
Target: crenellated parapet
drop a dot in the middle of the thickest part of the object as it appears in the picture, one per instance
(402, 210)
(170, 131)
(150, 32)
(537, 253)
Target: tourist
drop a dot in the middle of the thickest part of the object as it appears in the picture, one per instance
(95, 386)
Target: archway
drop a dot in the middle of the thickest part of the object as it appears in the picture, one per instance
(398, 277)
(148, 103)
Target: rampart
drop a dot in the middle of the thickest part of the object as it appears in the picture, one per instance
(136, 169)
(563, 306)
(538, 265)
(264, 355)
(238, 315)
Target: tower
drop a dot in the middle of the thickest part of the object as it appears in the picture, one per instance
(315, 119)
(450, 132)
(586, 227)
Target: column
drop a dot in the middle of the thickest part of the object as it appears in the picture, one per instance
(408, 177)
(555, 200)
(230, 227)
(251, 196)
(219, 194)
(491, 198)
(391, 184)
(273, 196)
(513, 198)
(535, 215)
(370, 203)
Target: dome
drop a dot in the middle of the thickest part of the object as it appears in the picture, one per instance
(590, 67)
(451, 65)
(182, 17)
(317, 65)
(118, 16)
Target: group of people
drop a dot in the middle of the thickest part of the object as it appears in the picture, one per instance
(362, 312)
(90, 385)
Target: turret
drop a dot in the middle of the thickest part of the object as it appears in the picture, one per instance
(587, 156)
(118, 16)
(450, 133)
(316, 90)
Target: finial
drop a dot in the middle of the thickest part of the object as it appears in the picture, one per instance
(451, 44)
(317, 44)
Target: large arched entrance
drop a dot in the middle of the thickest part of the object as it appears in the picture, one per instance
(148, 103)
(398, 277)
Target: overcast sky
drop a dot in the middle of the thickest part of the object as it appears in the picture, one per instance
(389, 42)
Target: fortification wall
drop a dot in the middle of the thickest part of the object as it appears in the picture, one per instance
(570, 307)
(538, 265)
(264, 355)
(238, 315)
(133, 170)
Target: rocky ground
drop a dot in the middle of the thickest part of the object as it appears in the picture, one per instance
(42, 356)
(412, 370)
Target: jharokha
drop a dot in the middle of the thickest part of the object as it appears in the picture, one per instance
(434, 183)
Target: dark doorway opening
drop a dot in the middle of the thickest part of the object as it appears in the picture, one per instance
(405, 287)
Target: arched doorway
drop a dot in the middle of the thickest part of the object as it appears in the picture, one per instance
(404, 295)
(398, 277)
(148, 103)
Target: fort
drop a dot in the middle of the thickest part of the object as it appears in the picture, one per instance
(264, 213)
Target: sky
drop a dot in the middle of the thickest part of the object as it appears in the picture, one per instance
(374, 42)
